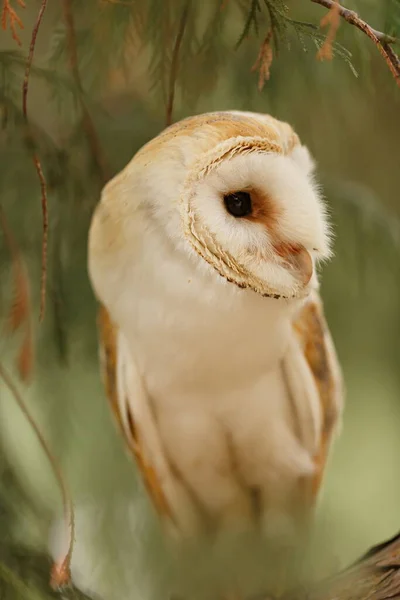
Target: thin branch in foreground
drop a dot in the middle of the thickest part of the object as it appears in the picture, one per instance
(36, 161)
(9, 13)
(60, 575)
(88, 124)
(381, 40)
(175, 65)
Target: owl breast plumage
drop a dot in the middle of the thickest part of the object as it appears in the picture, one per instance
(215, 353)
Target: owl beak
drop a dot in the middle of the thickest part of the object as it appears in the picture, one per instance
(298, 259)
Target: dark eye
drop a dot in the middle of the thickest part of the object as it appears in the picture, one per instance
(238, 204)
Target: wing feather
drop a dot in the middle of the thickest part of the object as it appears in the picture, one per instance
(130, 406)
(126, 423)
(316, 343)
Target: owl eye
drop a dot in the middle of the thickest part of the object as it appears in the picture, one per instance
(238, 204)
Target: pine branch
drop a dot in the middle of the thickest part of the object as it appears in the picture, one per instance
(175, 63)
(88, 124)
(251, 20)
(381, 40)
(36, 160)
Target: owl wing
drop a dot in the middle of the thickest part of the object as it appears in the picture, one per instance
(315, 381)
(131, 408)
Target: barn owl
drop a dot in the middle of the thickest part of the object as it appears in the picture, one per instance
(216, 356)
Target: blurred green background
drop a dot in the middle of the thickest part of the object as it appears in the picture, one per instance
(352, 126)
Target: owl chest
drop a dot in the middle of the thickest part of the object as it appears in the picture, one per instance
(192, 332)
(208, 346)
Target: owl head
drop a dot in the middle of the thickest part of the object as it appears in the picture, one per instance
(237, 191)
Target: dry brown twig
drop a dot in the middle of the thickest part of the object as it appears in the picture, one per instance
(60, 575)
(36, 160)
(8, 13)
(331, 20)
(381, 40)
(21, 311)
(264, 60)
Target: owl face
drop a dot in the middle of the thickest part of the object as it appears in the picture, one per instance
(257, 218)
(235, 193)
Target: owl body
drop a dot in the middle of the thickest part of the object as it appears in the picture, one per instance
(207, 364)
(211, 363)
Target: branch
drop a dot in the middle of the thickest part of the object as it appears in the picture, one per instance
(36, 160)
(381, 40)
(175, 64)
(88, 124)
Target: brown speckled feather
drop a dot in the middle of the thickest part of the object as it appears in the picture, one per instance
(315, 339)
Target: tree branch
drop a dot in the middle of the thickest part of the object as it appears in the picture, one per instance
(88, 124)
(36, 159)
(175, 64)
(381, 40)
